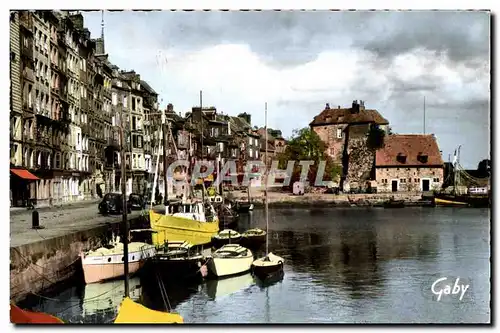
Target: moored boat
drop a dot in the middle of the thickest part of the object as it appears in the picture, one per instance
(107, 263)
(230, 259)
(253, 237)
(185, 222)
(268, 266)
(20, 316)
(131, 312)
(226, 236)
(178, 261)
(394, 204)
(243, 206)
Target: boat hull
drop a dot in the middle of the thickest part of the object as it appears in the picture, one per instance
(104, 272)
(173, 228)
(243, 207)
(179, 269)
(224, 267)
(462, 200)
(110, 266)
(265, 269)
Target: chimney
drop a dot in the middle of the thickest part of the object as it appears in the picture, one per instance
(362, 105)
(339, 107)
(327, 107)
(355, 107)
(170, 107)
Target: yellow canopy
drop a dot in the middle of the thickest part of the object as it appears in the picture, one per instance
(131, 312)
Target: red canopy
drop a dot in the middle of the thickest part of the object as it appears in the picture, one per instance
(20, 316)
(24, 174)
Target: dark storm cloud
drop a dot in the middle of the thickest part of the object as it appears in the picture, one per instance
(289, 38)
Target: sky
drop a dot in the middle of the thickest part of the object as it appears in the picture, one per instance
(299, 61)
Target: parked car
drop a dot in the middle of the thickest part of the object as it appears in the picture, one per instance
(112, 203)
(136, 201)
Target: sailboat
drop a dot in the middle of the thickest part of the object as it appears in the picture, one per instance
(129, 311)
(191, 220)
(270, 265)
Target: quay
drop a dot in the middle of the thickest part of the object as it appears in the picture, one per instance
(319, 200)
(40, 258)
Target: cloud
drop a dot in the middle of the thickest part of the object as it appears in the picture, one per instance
(298, 61)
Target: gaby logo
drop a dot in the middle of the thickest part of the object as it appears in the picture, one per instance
(448, 287)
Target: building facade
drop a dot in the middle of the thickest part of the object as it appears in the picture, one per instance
(410, 163)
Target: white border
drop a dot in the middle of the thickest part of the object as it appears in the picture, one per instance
(224, 4)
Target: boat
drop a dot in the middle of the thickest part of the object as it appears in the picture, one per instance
(220, 288)
(230, 259)
(465, 190)
(391, 203)
(270, 265)
(131, 312)
(242, 206)
(179, 260)
(224, 237)
(189, 224)
(253, 237)
(20, 316)
(107, 263)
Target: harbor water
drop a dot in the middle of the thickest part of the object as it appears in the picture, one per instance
(352, 265)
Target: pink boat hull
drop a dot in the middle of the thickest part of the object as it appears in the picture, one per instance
(102, 272)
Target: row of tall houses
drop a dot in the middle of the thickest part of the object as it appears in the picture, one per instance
(66, 99)
(406, 162)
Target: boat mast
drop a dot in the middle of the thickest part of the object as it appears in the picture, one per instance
(164, 129)
(265, 188)
(201, 120)
(124, 204)
(424, 114)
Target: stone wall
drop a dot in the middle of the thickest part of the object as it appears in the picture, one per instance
(359, 159)
(37, 266)
(335, 145)
(409, 179)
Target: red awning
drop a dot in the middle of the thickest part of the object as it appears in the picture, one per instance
(24, 174)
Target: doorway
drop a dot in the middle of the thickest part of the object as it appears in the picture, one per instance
(425, 185)
(394, 184)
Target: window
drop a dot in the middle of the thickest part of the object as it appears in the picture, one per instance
(133, 103)
(114, 99)
(332, 151)
(339, 133)
(436, 180)
(139, 142)
(250, 153)
(409, 180)
(256, 154)
(124, 101)
(403, 180)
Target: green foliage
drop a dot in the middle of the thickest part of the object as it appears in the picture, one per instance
(306, 145)
(375, 138)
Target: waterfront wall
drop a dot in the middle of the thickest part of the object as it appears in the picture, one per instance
(330, 200)
(37, 266)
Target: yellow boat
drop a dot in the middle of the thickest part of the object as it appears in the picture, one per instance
(131, 312)
(442, 202)
(186, 224)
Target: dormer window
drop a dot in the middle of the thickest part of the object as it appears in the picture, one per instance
(422, 158)
(401, 158)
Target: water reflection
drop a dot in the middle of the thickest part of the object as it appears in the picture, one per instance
(218, 289)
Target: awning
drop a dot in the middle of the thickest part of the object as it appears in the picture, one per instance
(24, 174)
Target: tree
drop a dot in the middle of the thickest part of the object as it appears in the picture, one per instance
(306, 145)
(484, 167)
(376, 137)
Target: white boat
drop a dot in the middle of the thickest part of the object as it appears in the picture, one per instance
(230, 259)
(108, 263)
(217, 289)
